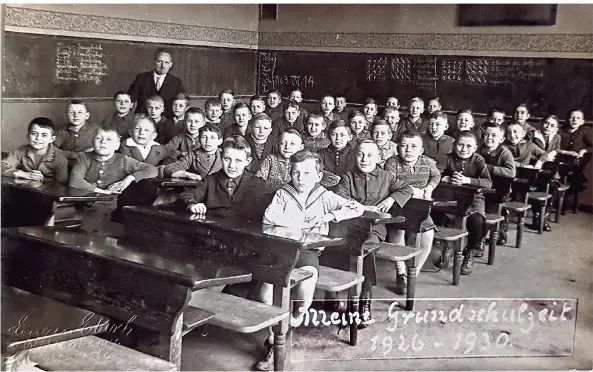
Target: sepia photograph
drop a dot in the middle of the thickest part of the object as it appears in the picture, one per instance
(296, 186)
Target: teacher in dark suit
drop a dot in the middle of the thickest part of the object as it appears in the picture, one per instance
(157, 82)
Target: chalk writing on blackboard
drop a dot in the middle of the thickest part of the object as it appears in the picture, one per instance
(401, 69)
(80, 62)
(269, 79)
(452, 70)
(377, 69)
(477, 71)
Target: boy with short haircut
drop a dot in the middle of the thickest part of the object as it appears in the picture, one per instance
(495, 116)
(227, 102)
(297, 96)
(257, 104)
(260, 139)
(576, 138)
(77, 136)
(465, 121)
(421, 173)
(275, 168)
(39, 160)
(213, 109)
(434, 105)
(274, 105)
(340, 109)
(370, 110)
(378, 191)
(547, 138)
(524, 152)
(501, 165)
(521, 115)
(327, 105)
(141, 145)
(359, 127)
(290, 119)
(202, 161)
(315, 137)
(392, 102)
(240, 127)
(391, 115)
(381, 133)
(175, 125)
(304, 204)
(155, 106)
(415, 120)
(436, 143)
(339, 157)
(466, 167)
(189, 139)
(232, 191)
(105, 171)
(123, 117)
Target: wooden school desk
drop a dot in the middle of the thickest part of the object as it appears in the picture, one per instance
(34, 203)
(112, 277)
(169, 188)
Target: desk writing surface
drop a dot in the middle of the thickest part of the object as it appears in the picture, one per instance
(197, 274)
(304, 238)
(175, 182)
(30, 320)
(56, 190)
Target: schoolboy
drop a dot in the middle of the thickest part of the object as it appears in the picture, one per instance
(576, 139)
(257, 104)
(77, 136)
(466, 167)
(436, 143)
(274, 105)
(175, 125)
(433, 106)
(155, 106)
(315, 137)
(123, 117)
(392, 116)
(202, 161)
(227, 103)
(275, 168)
(232, 191)
(521, 115)
(327, 105)
(421, 173)
(260, 139)
(339, 157)
(189, 140)
(105, 171)
(495, 116)
(392, 102)
(415, 120)
(359, 127)
(381, 133)
(290, 119)
(465, 121)
(141, 145)
(370, 110)
(213, 109)
(297, 96)
(304, 204)
(39, 159)
(341, 104)
(547, 138)
(501, 165)
(240, 127)
(524, 152)
(378, 191)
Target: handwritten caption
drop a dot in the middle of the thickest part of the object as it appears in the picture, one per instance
(445, 328)
(80, 62)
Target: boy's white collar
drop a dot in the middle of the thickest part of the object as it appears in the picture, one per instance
(144, 150)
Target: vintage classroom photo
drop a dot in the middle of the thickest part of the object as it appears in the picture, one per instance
(296, 186)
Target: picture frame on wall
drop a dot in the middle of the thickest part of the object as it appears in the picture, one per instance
(507, 14)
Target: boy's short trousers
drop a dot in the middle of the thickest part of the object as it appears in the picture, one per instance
(309, 257)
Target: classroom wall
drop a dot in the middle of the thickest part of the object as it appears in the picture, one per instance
(228, 25)
(423, 29)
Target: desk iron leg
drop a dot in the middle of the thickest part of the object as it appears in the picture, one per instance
(354, 306)
(492, 244)
(411, 290)
(457, 259)
(520, 227)
(169, 345)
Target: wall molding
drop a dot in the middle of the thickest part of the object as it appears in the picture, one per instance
(69, 24)
(477, 43)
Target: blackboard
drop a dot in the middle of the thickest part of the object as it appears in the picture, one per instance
(42, 66)
(552, 85)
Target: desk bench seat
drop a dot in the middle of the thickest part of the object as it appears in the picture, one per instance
(299, 275)
(193, 318)
(236, 313)
(95, 354)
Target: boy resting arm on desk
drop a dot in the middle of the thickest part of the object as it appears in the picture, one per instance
(39, 159)
(304, 204)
